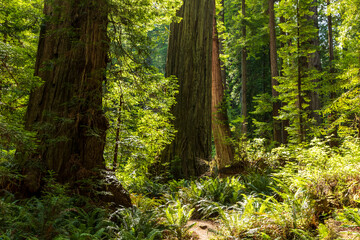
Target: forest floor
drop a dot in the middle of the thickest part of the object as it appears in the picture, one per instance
(202, 230)
(304, 193)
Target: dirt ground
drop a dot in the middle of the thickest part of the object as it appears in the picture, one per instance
(202, 229)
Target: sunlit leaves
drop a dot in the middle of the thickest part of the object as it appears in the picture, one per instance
(19, 29)
(298, 79)
(138, 98)
(19, 20)
(344, 111)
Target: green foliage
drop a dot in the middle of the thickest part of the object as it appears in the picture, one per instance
(285, 193)
(137, 97)
(297, 79)
(296, 204)
(135, 224)
(258, 68)
(147, 187)
(243, 219)
(342, 111)
(253, 154)
(177, 216)
(34, 216)
(303, 234)
(53, 216)
(329, 230)
(19, 29)
(328, 175)
(257, 183)
(350, 217)
(145, 203)
(205, 195)
(85, 224)
(313, 182)
(263, 106)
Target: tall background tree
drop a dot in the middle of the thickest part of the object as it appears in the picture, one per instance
(244, 70)
(189, 59)
(277, 130)
(220, 122)
(297, 78)
(258, 122)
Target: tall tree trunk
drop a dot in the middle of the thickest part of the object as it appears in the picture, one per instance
(274, 74)
(220, 123)
(117, 139)
(334, 139)
(243, 71)
(117, 134)
(66, 110)
(331, 50)
(221, 48)
(189, 59)
(315, 62)
(301, 65)
(284, 123)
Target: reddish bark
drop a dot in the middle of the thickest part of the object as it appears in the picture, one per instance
(220, 123)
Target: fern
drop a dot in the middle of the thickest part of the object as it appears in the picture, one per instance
(302, 234)
(135, 224)
(177, 216)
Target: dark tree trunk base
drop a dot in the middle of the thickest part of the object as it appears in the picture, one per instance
(115, 193)
(99, 187)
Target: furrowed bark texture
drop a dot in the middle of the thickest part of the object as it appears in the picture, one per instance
(66, 110)
(189, 59)
(220, 122)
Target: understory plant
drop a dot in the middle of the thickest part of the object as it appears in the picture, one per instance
(134, 224)
(55, 215)
(241, 219)
(177, 216)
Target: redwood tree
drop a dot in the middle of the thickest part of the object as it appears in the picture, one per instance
(189, 59)
(220, 122)
(66, 111)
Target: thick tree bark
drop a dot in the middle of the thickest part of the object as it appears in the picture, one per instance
(220, 122)
(243, 71)
(189, 59)
(66, 110)
(274, 74)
